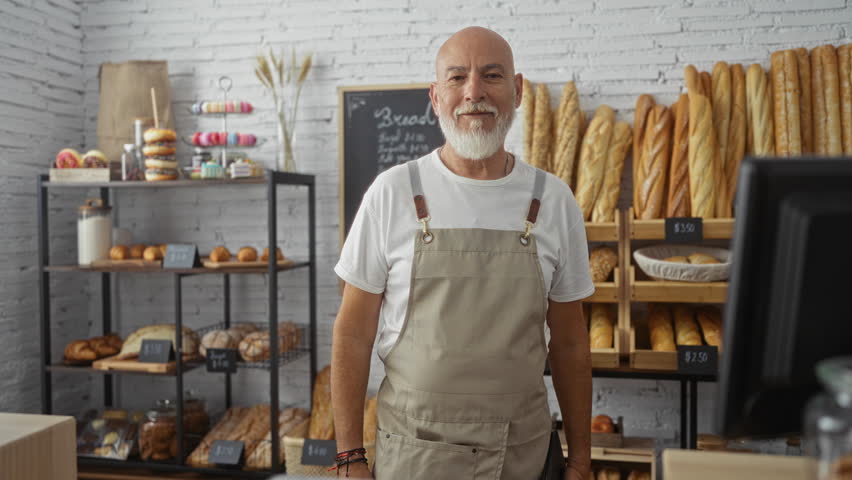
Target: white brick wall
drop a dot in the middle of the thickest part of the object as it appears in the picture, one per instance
(614, 49)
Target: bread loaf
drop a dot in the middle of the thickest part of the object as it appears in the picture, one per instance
(608, 473)
(255, 346)
(240, 330)
(736, 130)
(80, 351)
(818, 98)
(806, 114)
(758, 96)
(637, 475)
(605, 205)
(528, 107)
(133, 342)
(692, 78)
(644, 104)
(106, 346)
(686, 330)
(779, 102)
(224, 430)
(602, 262)
(707, 85)
(322, 419)
(702, 259)
(844, 70)
(568, 134)
(831, 82)
(722, 105)
(677, 203)
(660, 328)
(541, 143)
(218, 339)
(786, 93)
(261, 457)
(590, 171)
(370, 420)
(655, 163)
(703, 157)
(601, 326)
(710, 319)
(602, 424)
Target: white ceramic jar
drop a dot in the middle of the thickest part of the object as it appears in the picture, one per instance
(94, 231)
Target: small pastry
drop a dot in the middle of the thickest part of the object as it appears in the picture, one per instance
(247, 254)
(603, 424)
(702, 259)
(220, 254)
(677, 259)
(119, 252)
(278, 255)
(152, 253)
(136, 251)
(162, 248)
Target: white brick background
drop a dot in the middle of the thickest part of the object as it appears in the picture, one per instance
(51, 51)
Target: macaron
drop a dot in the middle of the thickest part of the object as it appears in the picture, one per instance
(233, 138)
(229, 107)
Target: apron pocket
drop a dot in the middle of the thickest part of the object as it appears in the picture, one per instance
(400, 457)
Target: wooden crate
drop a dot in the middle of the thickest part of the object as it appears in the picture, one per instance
(71, 175)
(607, 292)
(608, 357)
(643, 289)
(713, 228)
(635, 454)
(604, 232)
(639, 346)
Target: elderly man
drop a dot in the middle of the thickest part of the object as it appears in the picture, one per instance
(464, 254)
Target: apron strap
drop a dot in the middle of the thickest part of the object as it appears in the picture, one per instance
(535, 205)
(419, 200)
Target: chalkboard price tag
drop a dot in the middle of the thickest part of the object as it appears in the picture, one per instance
(319, 452)
(226, 452)
(697, 360)
(222, 360)
(156, 351)
(181, 256)
(684, 230)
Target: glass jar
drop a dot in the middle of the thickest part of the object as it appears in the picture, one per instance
(828, 420)
(94, 231)
(196, 421)
(158, 435)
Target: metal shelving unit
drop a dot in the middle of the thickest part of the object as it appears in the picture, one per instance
(273, 180)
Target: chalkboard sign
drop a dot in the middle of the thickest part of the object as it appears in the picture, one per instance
(226, 452)
(697, 360)
(319, 452)
(156, 351)
(181, 256)
(222, 360)
(684, 230)
(380, 126)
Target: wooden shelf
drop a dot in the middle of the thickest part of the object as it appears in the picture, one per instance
(62, 368)
(607, 292)
(644, 290)
(714, 228)
(604, 232)
(157, 269)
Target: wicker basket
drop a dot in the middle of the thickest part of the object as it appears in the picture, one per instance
(650, 260)
(293, 445)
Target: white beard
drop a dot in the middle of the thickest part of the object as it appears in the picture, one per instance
(475, 144)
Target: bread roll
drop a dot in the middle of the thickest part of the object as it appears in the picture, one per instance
(831, 82)
(119, 252)
(242, 329)
(137, 251)
(590, 171)
(541, 143)
(806, 113)
(644, 104)
(844, 71)
(608, 473)
(603, 424)
(605, 205)
(220, 254)
(702, 259)
(660, 328)
(601, 326)
(736, 131)
(106, 346)
(278, 255)
(79, 351)
(703, 157)
(710, 319)
(677, 204)
(528, 107)
(655, 163)
(758, 96)
(133, 342)
(677, 259)
(602, 262)
(567, 134)
(637, 475)
(247, 254)
(218, 339)
(322, 419)
(152, 253)
(686, 330)
(224, 430)
(255, 347)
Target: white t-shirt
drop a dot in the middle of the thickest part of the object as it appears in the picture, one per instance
(379, 249)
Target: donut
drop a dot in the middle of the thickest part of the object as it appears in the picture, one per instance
(160, 174)
(95, 159)
(159, 135)
(68, 158)
(161, 162)
(158, 149)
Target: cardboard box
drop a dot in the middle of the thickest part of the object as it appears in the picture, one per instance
(37, 447)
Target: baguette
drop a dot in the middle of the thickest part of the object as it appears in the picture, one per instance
(777, 75)
(655, 163)
(261, 457)
(818, 93)
(601, 326)
(721, 100)
(677, 204)
(831, 82)
(710, 319)
(693, 80)
(605, 205)
(736, 130)
(541, 128)
(644, 104)
(567, 134)
(224, 430)
(686, 330)
(322, 419)
(703, 157)
(528, 106)
(660, 328)
(590, 170)
(792, 94)
(761, 121)
(844, 70)
(806, 112)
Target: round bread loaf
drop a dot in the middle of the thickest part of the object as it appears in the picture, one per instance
(218, 339)
(255, 346)
(240, 330)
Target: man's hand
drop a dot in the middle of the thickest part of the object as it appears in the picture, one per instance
(356, 470)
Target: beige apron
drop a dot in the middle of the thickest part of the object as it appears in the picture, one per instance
(464, 396)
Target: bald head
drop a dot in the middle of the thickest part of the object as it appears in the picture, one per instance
(477, 44)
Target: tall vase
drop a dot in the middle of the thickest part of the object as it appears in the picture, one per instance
(285, 160)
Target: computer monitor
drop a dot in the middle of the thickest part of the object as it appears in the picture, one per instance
(790, 291)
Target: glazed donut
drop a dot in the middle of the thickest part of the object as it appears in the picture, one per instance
(159, 135)
(68, 158)
(160, 174)
(158, 149)
(94, 159)
(161, 162)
